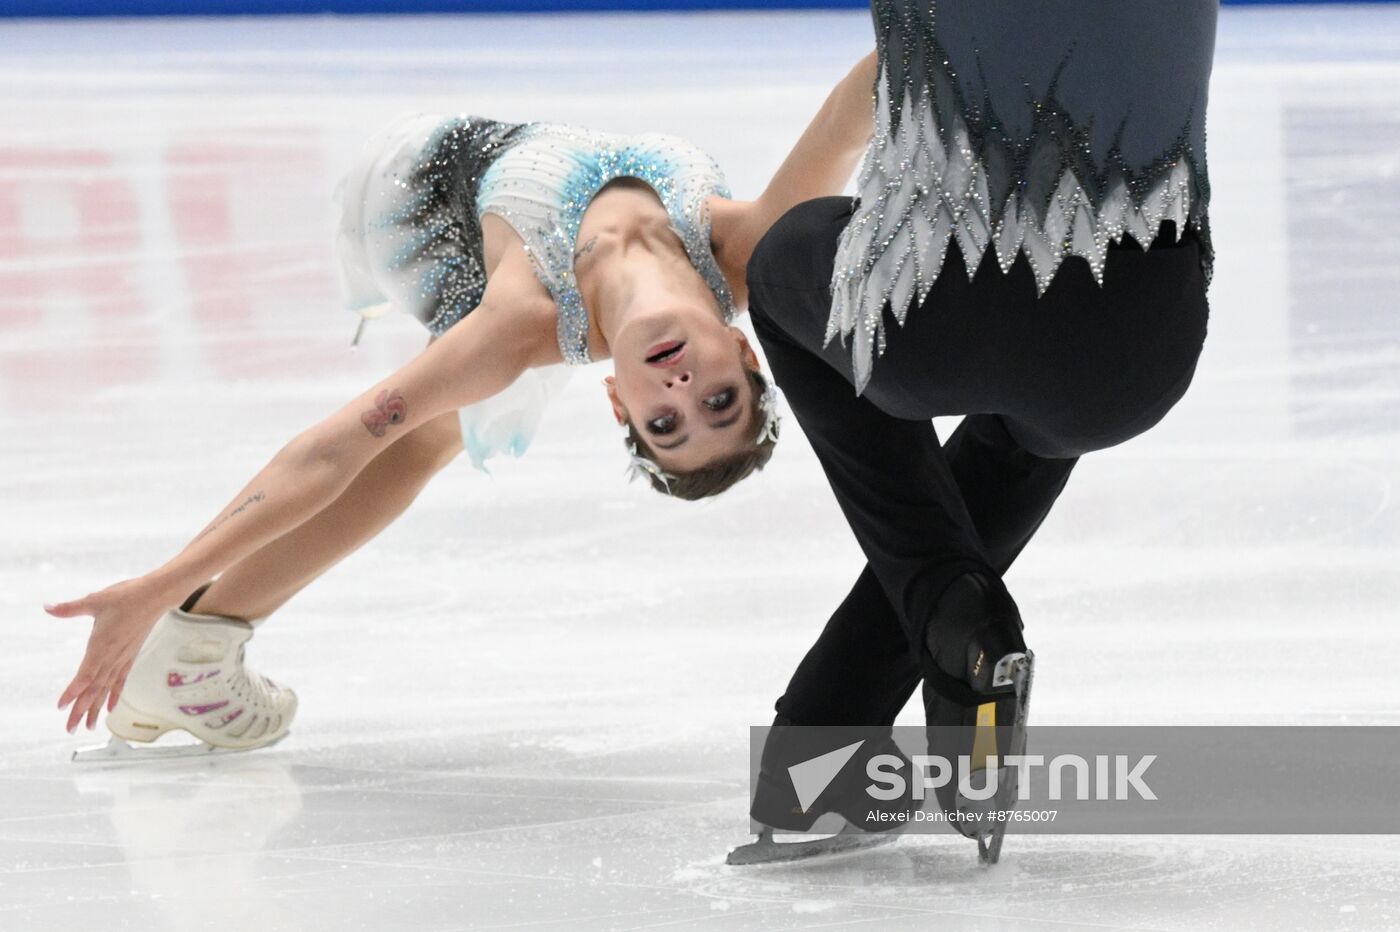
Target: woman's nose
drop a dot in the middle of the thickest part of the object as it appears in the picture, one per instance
(680, 378)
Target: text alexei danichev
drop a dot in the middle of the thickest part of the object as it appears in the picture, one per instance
(962, 815)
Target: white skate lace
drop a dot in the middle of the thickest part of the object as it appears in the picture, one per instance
(258, 695)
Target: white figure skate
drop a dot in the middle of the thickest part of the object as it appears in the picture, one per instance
(190, 676)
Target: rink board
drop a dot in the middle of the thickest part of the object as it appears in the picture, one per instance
(270, 7)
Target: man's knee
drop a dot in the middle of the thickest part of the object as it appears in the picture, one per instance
(789, 274)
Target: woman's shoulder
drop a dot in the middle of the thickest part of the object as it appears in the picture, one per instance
(733, 235)
(726, 220)
(519, 307)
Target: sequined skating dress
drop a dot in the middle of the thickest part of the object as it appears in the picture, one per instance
(410, 235)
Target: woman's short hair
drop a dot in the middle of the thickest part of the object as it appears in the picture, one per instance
(719, 474)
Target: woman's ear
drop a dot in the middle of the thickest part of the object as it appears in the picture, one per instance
(746, 352)
(619, 412)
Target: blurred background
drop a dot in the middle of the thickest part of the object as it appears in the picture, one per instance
(527, 702)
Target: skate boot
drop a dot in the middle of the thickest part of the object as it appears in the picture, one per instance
(777, 806)
(977, 699)
(190, 676)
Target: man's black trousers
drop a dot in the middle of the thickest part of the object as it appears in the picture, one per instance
(1041, 380)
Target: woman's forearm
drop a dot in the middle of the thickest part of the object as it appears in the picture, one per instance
(475, 359)
(850, 109)
(842, 127)
(312, 470)
(820, 164)
(826, 154)
(304, 477)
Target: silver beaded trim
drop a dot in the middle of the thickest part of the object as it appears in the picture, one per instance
(929, 177)
(639, 465)
(545, 181)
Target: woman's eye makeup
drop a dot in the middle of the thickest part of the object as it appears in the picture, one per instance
(720, 401)
(662, 425)
(669, 422)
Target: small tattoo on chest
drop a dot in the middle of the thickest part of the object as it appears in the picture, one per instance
(586, 248)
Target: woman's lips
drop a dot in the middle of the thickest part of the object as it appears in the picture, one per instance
(665, 355)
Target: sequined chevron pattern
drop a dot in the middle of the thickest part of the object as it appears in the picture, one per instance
(938, 169)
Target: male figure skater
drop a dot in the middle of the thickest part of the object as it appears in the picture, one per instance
(1030, 248)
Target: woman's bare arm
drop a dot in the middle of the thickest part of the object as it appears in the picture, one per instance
(820, 164)
(469, 363)
(475, 359)
(828, 151)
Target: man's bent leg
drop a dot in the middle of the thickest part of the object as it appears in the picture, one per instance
(1008, 493)
(860, 671)
(889, 476)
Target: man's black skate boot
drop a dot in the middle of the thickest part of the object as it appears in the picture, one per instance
(775, 801)
(976, 698)
(776, 806)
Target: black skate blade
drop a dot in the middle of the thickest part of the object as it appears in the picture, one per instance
(1019, 673)
(764, 850)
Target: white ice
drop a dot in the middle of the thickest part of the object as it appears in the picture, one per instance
(527, 702)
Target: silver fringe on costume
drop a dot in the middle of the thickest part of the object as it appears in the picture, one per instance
(929, 176)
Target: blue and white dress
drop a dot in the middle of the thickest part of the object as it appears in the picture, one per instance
(410, 231)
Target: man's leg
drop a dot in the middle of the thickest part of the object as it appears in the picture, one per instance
(961, 629)
(1008, 493)
(890, 478)
(860, 671)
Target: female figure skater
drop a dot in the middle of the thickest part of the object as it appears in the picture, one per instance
(519, 247)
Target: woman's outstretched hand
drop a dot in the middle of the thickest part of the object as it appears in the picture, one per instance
(122, 616)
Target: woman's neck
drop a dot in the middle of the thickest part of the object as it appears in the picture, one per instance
(631, 268)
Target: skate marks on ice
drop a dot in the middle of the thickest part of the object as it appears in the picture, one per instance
(185, 289)
(1162, 882)
(151, 831)
(597, 829)
(364, 844)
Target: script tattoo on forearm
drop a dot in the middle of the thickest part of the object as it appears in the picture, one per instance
(389, 408)
(248, 502)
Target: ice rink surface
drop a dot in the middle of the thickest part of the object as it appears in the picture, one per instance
(526, 703)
